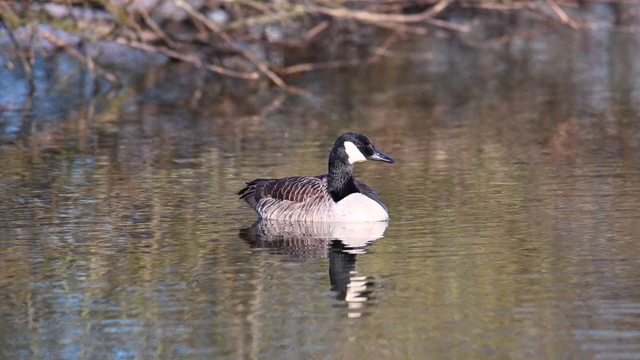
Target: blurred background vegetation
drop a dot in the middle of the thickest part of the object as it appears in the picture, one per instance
(271, 40)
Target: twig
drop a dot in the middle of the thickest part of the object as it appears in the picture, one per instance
(494, 7)
(306, 67)
(504, 39)
(253, 4)
(383, 48)
(448, 25)
(563, 15)
(377, 18)
(154, 26)
(191, 59)
(266, 19)
(559, 13)
(86, 60)
(314, 31)
(401, 28)
(26, 64)
(298, 68)
(437, 8)
(534, 8)
(264, 68)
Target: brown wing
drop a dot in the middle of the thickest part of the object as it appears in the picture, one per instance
(296, 189)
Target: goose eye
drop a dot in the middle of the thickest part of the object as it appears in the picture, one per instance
(368, 150)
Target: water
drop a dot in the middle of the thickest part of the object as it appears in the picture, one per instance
(514, 217)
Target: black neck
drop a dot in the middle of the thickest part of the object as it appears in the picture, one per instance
(341, 181)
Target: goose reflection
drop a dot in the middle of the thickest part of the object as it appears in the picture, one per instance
(340, 242)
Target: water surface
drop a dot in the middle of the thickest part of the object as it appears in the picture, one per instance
(513, 202)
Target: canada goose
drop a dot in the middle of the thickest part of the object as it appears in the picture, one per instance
(336, 196)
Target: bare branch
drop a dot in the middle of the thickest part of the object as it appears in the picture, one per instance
(93, 68)
(562, 15)
(191, 59)
(263, 67)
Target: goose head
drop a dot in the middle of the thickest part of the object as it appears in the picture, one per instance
(355, 147)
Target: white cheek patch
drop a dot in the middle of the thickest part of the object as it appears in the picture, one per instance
(354, 154)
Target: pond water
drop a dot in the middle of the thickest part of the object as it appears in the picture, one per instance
(514, 227)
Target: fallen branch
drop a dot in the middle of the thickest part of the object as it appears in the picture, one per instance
(562, 15)
(156, 29)
(84, 59)
(266, 19)
(263, 67)
(344, 12)
(190, 59)
(299, 68)
(389, 20)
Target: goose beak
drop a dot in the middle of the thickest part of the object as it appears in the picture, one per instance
(378, 156)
